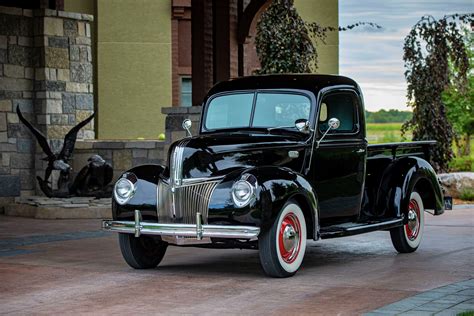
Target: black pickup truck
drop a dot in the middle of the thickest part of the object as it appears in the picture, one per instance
(278, 159)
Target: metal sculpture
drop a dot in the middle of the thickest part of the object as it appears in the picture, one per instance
(60, 161)
(94, 178)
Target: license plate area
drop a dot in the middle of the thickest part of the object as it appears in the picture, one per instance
(448, 203)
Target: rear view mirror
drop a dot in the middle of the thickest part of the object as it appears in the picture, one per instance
(302, 125)
(333, 123)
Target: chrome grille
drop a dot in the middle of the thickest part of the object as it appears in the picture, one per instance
(182, 205)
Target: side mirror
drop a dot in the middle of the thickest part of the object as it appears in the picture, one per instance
(333, 123)
(187, 126)
(302, 125)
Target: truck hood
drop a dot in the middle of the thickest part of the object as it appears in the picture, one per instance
(218, 154)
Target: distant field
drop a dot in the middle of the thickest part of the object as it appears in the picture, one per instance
(390, 132)
(385, 133)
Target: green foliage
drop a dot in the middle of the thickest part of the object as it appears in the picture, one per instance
(390, 116)
(285, 42)
(467, 194)
(460, 103)
(459, 164)
(429, 49)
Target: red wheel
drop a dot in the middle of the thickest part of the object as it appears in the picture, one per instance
(289, 238)
(408, 237)
(282, 247)
(412, 228)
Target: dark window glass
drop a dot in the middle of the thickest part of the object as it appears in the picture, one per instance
(341, 106)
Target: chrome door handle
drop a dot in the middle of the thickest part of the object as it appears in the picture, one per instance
(360, 151)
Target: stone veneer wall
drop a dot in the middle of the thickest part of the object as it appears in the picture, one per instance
(124, 154)
(46, 70)
(121, 154)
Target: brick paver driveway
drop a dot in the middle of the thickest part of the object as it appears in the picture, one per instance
(69, 266)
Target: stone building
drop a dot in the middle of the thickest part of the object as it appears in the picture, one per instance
(139, 65)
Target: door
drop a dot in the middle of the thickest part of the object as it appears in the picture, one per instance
(338, 165)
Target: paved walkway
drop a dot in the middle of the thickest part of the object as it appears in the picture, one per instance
(71, 267)
(446, 300)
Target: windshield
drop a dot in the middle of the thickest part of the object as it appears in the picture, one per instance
(257, 110)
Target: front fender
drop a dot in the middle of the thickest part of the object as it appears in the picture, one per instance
(403, 176)
(144, 198)
(275, 186)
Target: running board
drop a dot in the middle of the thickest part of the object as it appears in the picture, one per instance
(349, 229)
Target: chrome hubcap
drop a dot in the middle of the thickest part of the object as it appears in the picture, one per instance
(289, 240)
(412, 228)
(289, 237)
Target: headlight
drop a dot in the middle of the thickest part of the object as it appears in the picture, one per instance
(242, 193)
(123, 190)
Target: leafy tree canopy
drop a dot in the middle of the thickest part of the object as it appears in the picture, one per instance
(390, 116)
(285, 42)
(460, 104)
(430, 47)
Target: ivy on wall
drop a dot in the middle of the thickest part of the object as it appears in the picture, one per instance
(429, 49)
(286, 43)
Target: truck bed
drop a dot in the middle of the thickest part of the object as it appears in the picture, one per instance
(398, 150)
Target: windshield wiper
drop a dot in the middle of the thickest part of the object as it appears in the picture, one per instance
(290, 129)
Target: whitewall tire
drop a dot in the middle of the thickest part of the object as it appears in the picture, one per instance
(282, 247)
(407, 238)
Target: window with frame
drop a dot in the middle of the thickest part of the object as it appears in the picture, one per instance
(186, 91)
(256, 110)
(340, 105)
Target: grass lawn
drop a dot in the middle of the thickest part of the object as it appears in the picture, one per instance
(385, 133)
(390, 132)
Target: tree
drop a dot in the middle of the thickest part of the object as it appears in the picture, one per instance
(460, 104)
(284, 40)
(430, 47)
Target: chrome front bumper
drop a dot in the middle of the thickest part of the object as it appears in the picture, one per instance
(198, 230)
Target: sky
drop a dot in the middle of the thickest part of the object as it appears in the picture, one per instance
(374, 57)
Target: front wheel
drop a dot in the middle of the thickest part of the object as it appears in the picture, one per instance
(144, 252)
(407, 238)
(282, 247)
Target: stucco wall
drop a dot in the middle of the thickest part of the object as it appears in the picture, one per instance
(326, 13)
(134, 67)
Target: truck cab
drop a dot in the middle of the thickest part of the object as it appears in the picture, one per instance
(278, 160)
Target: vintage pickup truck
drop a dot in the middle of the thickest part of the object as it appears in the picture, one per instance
(278, 159)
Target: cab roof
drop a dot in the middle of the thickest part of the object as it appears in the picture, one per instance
(309, 82)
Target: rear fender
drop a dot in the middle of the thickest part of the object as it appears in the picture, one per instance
(275, 186)
(404, 176)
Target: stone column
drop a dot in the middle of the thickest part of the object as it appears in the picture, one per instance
(63, 79)
(17, 66)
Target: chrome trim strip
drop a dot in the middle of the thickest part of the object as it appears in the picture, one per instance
(192, 181)
(176, 165)
(138, 227)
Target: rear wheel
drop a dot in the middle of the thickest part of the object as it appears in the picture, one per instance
(144, 252)
(282, 247)
(407, 238)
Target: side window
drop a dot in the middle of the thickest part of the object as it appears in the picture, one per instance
(343, 106)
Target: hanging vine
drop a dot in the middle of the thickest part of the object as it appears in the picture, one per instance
(286, 43)
(429, 49)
